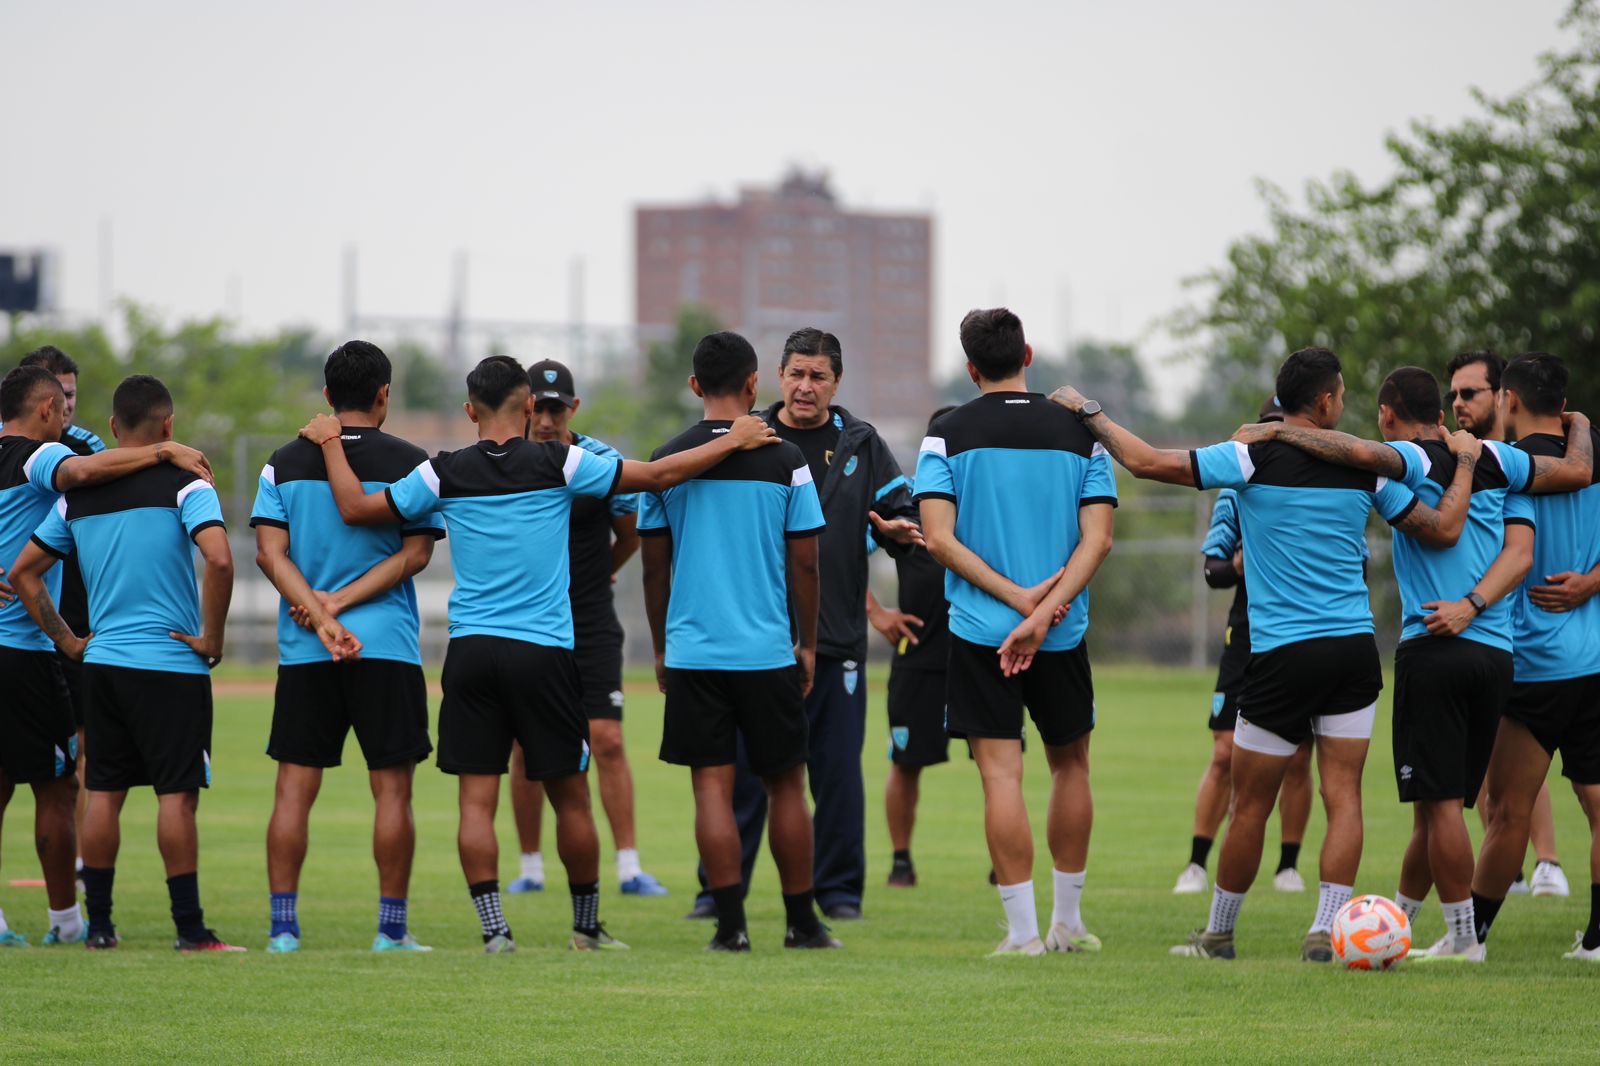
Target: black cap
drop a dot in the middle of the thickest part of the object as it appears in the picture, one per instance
(1271, 410)
(551, 380)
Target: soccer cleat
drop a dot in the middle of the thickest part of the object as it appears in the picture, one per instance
(383, 942)
(1444, 951)
(499, 944)
(1316, 947)
(819, 938)
(1288, 879)
(902, 874)
(1007, 948)
(524, 884)
(210, 941)
(740, 942)
(601, 941)
(283, 944)
(1549, 880)
(102, 941)
(1060, 938)
(1581, 953)
(1192, 881)
(642, 884)
(13, 939)
(843, 912)
(703, 908)
(54, 936)
(1204, 945)
(1519, 886)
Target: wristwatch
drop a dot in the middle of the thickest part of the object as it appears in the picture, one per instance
(1089, 409)
(1479, 605)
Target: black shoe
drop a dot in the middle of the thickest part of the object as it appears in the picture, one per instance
(207, 941)
(843, 912)
(740, 942)
(101, 941)
(818, 938)
(902, 874)
(703, 908)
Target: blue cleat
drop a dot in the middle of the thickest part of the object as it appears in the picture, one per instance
(524, 884)
(642, 884)
(405, 943)
(13, 939)
(283, 944)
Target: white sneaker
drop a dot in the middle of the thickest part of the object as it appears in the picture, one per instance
(1289, 880)
(1580, 952)
(1192, 881)
(1444, 950)
(1032, 947)
(1549, 880)
(1061, 938)
(1518, 887)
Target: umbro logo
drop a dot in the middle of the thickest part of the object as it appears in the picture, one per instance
(1405, 773)
(1019, 401)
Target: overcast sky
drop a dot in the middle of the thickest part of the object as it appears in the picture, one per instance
(1081, 159)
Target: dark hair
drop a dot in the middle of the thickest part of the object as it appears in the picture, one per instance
(1493, 365)
(940, 413)
(993, 342)
(813, 341)
(140, 399)
(1540, 380)
(1304, 376)
(494, 381)
(1412, 394)
(354, 373)
(52, 359)
(723, 362)
(19, 386)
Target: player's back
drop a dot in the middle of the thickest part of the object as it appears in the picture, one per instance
(27, 478)
(294, 494)
(1556, 645)
(729, 606)
(1017, 467)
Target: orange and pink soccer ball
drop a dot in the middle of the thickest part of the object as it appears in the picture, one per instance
(1371, 933)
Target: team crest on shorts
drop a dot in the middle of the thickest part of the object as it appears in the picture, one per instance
(1217, 700)
(901, 735)
(583, 761)
(851, 676)
(206, 755)
(550, 376)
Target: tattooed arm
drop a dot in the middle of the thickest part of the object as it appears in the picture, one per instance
(1329, 445)
(1131, 451)
(1441, 528)
(1575, 470)
(28, 577)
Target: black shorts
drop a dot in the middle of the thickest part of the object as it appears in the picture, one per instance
(1449, 693)
(709, 710)
(72, 673)
(38, 738)
(1230, 679)
(146, 727)
(916, 718)
(1057, 690)
(317, 704)
(600, 677)
(1289, 686)
(496, 690)
(1564, 716)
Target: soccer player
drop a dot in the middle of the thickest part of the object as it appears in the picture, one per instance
(603, 538)
(147, 661)
(863, 494)
(1314, 671)
(1555, 695)
(1017, 503)
(1449, 692)
(919, 631)
(1223, 550)
(342, 580)
(509, 672)
(1474, 399)
(725, 557)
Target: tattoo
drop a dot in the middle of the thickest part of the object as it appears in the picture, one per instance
(1580, 455)
(1342, 449)
(49, 620)
(1105, 431)
(1424, 519)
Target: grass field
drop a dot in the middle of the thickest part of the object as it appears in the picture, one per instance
(912, 983)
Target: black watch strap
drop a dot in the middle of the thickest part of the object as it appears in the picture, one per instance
(1478, 603)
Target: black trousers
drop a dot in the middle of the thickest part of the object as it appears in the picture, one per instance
(837, 712)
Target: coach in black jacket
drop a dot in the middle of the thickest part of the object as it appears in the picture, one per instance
(864, 496)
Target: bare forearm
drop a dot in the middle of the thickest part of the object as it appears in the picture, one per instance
(356, 506)
(661, 474)
(1441, 527)
(290, 582)
(1571, 472)
(657, 561)
(41, 608)
(805, 585)
(1507, 570)
(216, 593)
(82, 471)
(412, 558)
(1139, 458)
(1343, 449)
(970, 567)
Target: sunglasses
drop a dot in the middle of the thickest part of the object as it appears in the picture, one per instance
(1467, 395)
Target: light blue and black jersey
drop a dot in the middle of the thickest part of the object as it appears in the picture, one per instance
(27, 492)
(1303, 522)
(1018, 468)
(505, 504)
(293, 495)
(134, 539)
(729, 608)
(1427, 574)
(1550, 645)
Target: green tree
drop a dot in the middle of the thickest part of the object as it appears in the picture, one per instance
(667, 405)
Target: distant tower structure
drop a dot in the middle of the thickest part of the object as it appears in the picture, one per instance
(781, 258)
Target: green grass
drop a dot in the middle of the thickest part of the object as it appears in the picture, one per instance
(911, 985)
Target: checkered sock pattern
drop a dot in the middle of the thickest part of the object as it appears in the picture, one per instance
(585, 906)
(284, 918)
(486, 898)
(392, 917)
(1225, 908)
(1331, 898)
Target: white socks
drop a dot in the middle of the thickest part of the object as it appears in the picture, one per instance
(1021, 918)
(628, 864)
(69, 923)
(1330, 899)
(3, 925)
(533, 866)
(1069, 893)
(1461, 923)
(1412, 907)
(1224, 910)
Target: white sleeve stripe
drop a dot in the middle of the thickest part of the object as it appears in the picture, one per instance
(269, 474)
(1382, 484)
(1247, 467)
(27, 467)
(61, 506)
(430, 476)
(569, 469)
(801, 476)
(189, 489)
(1098, 449)
(934, 445)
